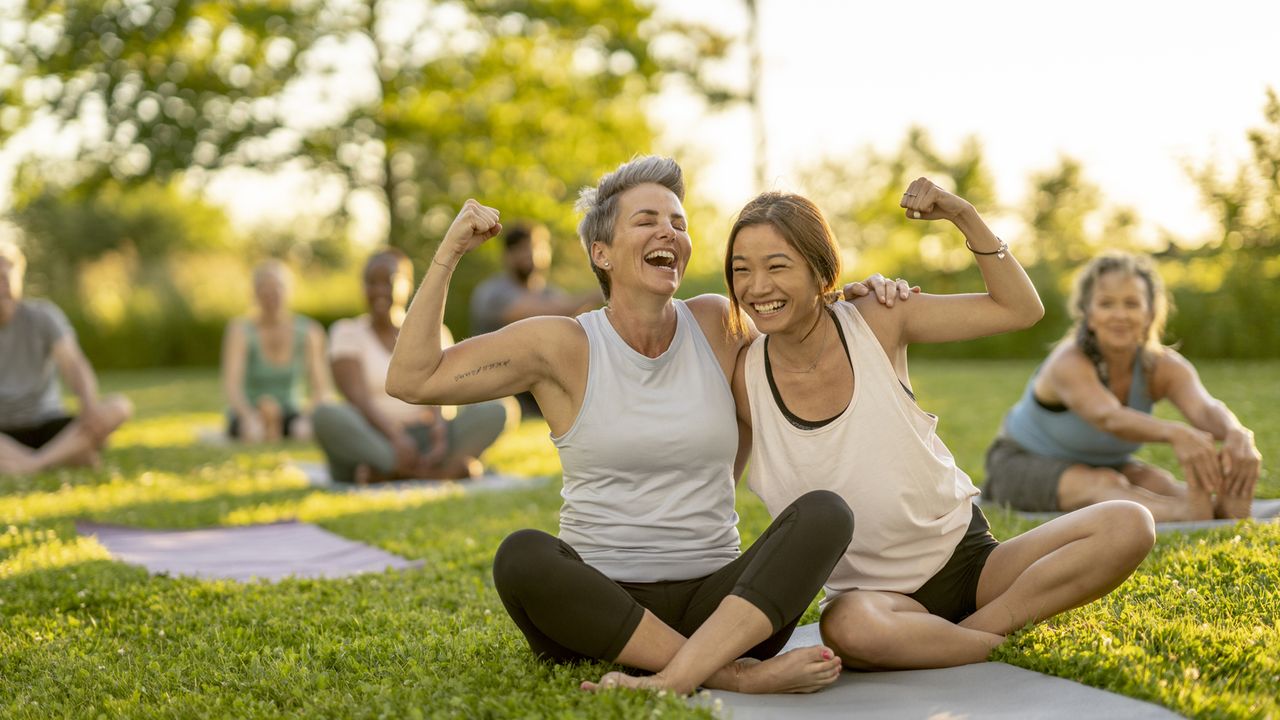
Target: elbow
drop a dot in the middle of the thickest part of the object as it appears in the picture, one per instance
(1034, 313)
(402, 386)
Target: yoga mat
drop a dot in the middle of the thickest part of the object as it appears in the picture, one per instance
(982, 690)
(318, 476)
(1264, 510)
(265, 552)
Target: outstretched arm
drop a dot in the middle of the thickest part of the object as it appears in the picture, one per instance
(1072, 378)
(1239, 459)
(1011, 301)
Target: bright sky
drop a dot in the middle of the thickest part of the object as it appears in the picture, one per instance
(1131, 89)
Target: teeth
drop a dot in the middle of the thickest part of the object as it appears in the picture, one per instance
(769, 306)
(661, 254)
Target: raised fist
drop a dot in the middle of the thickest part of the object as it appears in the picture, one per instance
(475, 224)
(925, 201)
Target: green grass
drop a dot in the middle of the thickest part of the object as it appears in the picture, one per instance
(83, 636)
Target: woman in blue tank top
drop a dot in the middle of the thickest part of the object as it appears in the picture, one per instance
(1068, 442)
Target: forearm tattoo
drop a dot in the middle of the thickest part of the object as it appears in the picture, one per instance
(491, 366)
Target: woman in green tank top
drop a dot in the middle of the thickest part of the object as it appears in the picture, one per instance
(265, 358)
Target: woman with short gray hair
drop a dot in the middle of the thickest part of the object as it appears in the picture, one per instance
(646, 571)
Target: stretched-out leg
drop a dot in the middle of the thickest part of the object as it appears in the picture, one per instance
(1156, 479)
(750, 606)
(1084, 485)
(1065, 563)
(873, 630)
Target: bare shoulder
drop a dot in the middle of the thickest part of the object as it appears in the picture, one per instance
(713, 311)
(1171, 371)
(1066, 360)
(553, 335)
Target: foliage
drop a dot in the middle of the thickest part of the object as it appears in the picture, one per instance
(82, 635)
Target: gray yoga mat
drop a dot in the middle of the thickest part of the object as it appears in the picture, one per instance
(265, 552)
(982, 690)
(1264, 510)
(318, 476)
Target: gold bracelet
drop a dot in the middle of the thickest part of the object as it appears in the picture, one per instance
(998, 252)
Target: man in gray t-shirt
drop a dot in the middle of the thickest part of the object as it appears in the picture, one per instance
(38, 344)
(522, 291)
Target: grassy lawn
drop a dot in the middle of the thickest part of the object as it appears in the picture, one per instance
(81, 635)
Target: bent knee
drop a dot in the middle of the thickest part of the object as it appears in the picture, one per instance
(520, 559)
(859, 634)
(827, 510)
(1129, 527)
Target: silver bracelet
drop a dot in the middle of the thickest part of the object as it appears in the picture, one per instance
(998, 252)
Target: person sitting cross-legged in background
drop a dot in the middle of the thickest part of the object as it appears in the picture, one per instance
(36, 345)
(522, 291)
(377, 437)
(265, 358)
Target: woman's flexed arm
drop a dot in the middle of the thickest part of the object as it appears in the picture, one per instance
(1011, 301)
(482, 368)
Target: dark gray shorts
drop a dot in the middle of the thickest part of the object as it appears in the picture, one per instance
(1022, 479)
(952, 592)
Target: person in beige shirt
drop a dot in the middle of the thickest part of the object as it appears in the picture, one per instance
(826, 395)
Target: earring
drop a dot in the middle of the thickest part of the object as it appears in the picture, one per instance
(606, 264)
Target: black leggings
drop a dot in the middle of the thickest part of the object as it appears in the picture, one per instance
(569, 611)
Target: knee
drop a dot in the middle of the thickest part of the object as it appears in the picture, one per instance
(858, 633)
(325, 419)
(1129, 528)
(120, 406)
(828, 511)
(518, 564)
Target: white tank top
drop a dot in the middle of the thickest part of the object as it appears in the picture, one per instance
(648, 463)
(911, 504)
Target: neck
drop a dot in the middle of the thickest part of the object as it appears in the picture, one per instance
(274, 318)
(390, 321)
(803, 345)
(7, 310)
(533, 281)
(647, 324)
(1118, 359)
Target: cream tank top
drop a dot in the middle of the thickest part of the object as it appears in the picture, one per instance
(911, 503)
(648, 463)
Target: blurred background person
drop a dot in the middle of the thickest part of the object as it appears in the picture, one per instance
(265, 358)
(377, 437)
(36, 345)
(522, 291)
(1069, 441)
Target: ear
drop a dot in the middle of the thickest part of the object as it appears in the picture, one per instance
(600, 255)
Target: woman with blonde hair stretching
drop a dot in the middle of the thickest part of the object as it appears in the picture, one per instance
(1069, 441)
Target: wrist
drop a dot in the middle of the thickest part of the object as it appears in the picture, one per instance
(448, 255)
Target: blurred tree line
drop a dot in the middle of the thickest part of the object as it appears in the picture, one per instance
(128, 113)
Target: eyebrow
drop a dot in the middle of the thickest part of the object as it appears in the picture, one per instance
(654, 213)
(770, 256)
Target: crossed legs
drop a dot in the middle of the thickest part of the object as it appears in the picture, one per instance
(77, 444)
(569, 610)
(1065, 563)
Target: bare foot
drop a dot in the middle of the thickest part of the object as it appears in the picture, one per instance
(367, 474)
(622, 680)
(1233, 506)
(1199, 505)
(803, 670)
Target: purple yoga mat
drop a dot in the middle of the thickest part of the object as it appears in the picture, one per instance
(264, 552)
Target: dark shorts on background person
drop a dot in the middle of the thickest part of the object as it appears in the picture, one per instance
(37, 436)
(1024, 480)
(952, 593)
(1021, 479)
(286, 423)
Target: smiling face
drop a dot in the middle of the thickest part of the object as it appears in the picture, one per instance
(1119, 312)
(772, 282)
(651, 244)
(387, 284)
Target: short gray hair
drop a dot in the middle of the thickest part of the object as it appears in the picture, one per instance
(600, 203)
